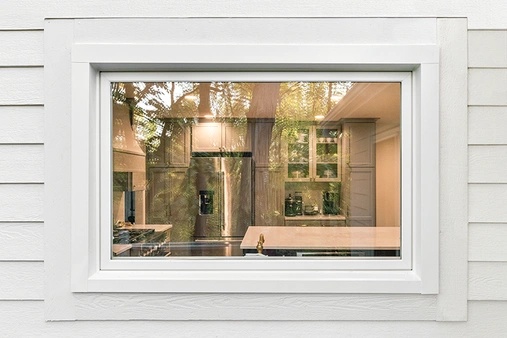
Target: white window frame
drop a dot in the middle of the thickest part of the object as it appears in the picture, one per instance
(404, 262)
(90, 273)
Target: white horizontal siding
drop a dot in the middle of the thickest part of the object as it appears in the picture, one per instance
(293, 307)
(487, 281)
(487, 242)
(486, 125)
(21, 86)
(487, 48)
(21, 48)
(26, 319)
(21, 124)
(21, 202)
(487, 164)
(21, 163)
(487, 253)
(21, 280)
(21, 241)
(487, 152)
(487, 87)
(30, 14)
(487, 203)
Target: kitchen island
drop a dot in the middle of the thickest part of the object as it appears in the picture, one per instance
(300, 240)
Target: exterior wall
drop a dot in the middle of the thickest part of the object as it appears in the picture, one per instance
(22, 153)
(487, 149)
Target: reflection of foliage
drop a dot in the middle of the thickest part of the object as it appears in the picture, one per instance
(230, 99)
(295, 100)
(161, 111)
(147, 126)
(303, 100)
(151, 103)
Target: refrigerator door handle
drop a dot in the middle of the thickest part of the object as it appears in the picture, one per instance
(221, 201)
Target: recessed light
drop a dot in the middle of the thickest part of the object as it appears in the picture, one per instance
(319, 117)
(337, 97)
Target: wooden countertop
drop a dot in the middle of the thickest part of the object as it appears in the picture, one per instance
(121, 248)
(156, 227)
(323, 238)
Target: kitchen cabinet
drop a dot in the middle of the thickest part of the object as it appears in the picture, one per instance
(267, 151)
(269, 173)
(168, 199)
(218, 136)
(314, 154)
(359, 175)
(269, 200)
(174, 148)
(177, 145)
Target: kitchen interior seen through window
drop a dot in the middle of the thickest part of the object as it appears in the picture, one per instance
(238, 169)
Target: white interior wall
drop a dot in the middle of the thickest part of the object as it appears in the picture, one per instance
(21, 173)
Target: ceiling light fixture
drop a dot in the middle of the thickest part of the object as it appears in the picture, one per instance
(336, 97)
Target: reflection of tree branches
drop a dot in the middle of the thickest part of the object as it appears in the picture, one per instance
(228, 97)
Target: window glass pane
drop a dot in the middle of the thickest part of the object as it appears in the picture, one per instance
(234, 169)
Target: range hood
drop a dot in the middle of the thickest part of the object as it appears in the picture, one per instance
(127, 153)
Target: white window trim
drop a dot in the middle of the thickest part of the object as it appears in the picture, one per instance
(89, 60)
(246, 263)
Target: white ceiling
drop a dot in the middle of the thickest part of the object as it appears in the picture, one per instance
(369, 100)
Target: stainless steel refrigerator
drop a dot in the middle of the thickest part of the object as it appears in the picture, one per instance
(223, 183)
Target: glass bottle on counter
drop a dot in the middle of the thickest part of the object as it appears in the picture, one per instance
(298, 203)
(290, 206)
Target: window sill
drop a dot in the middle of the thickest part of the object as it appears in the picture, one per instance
(254, 282)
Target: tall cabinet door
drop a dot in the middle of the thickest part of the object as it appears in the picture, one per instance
(361, 147)
(359, 172)
(172, 200)
(269, 191)
(158, 196)
(177, 145)
(269, 173)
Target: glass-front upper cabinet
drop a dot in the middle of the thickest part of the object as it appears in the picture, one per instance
(327, 153)
(313, 154)
(299, 156)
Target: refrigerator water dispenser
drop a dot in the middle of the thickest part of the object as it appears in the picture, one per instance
(206, 202)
